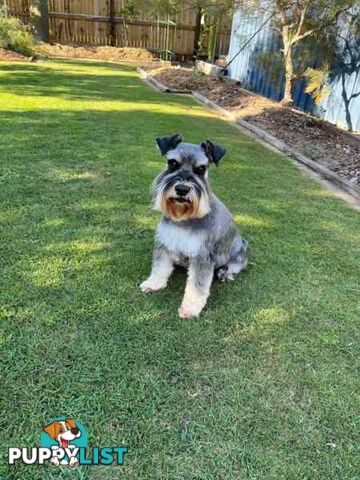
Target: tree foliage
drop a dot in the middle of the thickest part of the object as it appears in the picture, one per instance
(307, 29)
(15, 35)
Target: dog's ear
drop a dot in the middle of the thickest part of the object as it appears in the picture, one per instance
(71, 422)
(213, 152)
(168, 143)
(50, 430)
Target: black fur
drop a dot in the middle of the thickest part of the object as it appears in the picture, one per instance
(168, 143)
(213, 152)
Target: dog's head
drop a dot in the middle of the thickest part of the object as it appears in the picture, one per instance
(63, 431)
(181, 191)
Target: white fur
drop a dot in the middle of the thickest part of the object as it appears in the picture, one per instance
(194, 298)
(193, 302)
(158, 191)
(159, 276)
(180, 240)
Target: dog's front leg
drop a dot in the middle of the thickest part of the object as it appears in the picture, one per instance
(200, 275)
(162, 268)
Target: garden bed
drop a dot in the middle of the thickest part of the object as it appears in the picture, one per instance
(320, 141)
(9, 56)
(126, 54)
(115, 54)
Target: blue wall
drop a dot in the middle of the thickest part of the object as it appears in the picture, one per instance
(245, 69)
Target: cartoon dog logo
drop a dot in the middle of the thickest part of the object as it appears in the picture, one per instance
(63, 432)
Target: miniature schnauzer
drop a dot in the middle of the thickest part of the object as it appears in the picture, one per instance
(196, 231)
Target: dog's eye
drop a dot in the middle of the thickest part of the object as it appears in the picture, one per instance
(200, 170)
(61, 430)
(67, 427)
(173, 164)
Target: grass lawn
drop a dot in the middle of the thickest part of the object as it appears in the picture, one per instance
(264, 385)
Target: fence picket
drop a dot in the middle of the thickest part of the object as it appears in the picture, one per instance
(88, 22)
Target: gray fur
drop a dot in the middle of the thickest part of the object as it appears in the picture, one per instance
(223, 245)
(203, 245)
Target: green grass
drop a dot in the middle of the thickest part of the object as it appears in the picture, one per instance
(264, 385)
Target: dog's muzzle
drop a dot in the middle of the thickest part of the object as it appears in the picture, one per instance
(182, 190)
(181, 198)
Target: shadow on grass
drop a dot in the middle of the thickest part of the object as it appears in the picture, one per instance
(254, 374)
(75, 81)
(80, 191)
(82, 185)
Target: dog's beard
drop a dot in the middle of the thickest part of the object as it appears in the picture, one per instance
(195, 205)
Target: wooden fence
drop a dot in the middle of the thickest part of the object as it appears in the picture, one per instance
(96, 22)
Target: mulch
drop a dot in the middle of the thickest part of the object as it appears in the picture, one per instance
(116, 54)
(128, 55)
(9, 56)
(319, 140)
(322, 142)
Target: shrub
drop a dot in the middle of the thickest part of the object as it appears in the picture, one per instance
(15, 35)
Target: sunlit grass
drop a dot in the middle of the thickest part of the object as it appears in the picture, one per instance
(264, 385)
(247, 220)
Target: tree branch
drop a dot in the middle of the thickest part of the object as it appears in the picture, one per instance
(331, 21)
(301, 21)
(354, 95)
(306, 34)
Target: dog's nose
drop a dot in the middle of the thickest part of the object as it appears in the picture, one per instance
(75, 431)
(182, 190)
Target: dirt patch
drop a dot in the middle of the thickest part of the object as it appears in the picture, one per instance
(129, 55)
(318, 140)
(9, 56)
(138, 56)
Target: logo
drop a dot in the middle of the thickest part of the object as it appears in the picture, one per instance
(64, 442)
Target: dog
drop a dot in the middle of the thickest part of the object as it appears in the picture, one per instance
(196, 230)
(63, 432)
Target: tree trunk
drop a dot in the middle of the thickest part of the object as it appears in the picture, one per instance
(289, 67)
(40, 19)
(112, 29)
(289, 80)
(44, 20)
(197, 32)
(346, 102)
(212, 39)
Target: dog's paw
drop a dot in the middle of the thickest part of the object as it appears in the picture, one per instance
(55, 461)
(73, 461)
(151, 286)
(186, 311)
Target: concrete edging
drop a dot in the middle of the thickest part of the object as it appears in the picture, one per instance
(208, 68)
(262, 135)
(283, 147)
(157, 85)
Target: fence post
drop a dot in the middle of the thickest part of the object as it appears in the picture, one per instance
(112, 23)
(67, 23)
